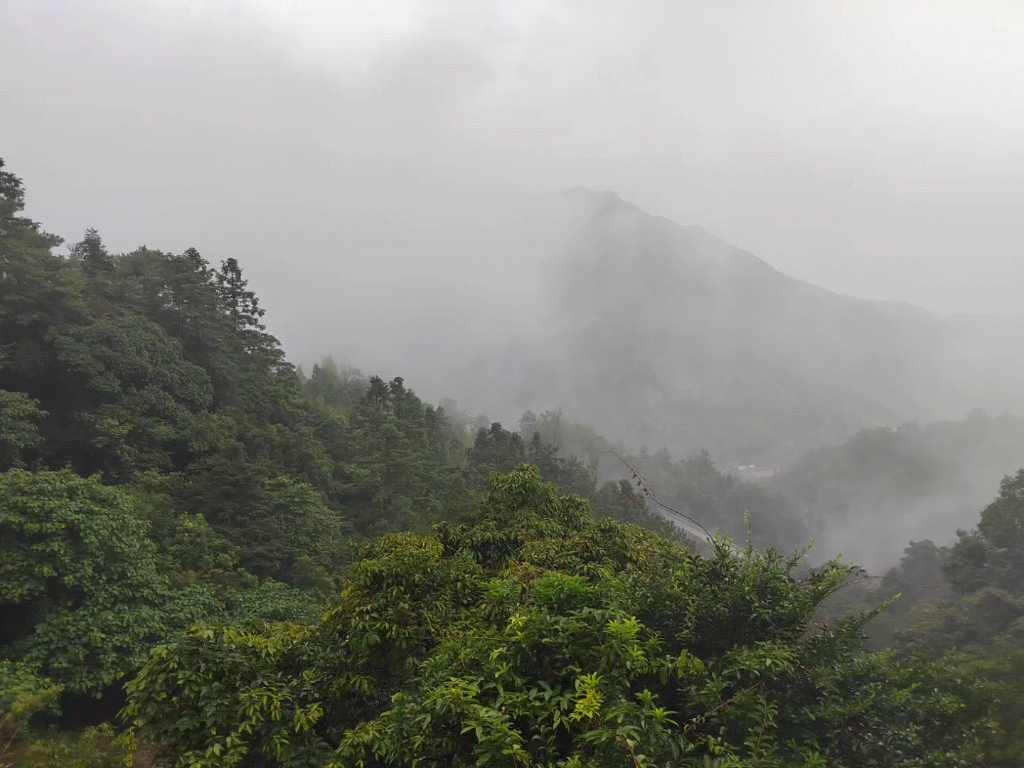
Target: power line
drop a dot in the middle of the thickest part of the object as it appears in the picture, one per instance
(648, 493)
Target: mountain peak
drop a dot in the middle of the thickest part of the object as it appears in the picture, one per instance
(599, 202)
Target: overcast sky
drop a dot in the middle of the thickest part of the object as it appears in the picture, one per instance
(873, 148)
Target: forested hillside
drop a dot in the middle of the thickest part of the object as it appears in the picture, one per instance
(966, 602)
(668, 336)
(211, 558)
(869, 495)
(163, 463)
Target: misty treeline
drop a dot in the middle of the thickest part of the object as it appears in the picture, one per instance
(211, 558)
(669, 336)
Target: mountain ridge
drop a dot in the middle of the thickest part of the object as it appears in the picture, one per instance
(680, 321)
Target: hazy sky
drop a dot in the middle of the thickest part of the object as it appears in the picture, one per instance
(354, 152)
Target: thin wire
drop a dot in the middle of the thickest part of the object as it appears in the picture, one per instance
(641, 481)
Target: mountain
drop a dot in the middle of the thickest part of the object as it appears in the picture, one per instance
(667, 335)
(871, 494)
(656, 333)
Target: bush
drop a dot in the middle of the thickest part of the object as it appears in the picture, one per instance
(535, 635)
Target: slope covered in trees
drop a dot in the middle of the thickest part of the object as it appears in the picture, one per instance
(964, 601)
(320, 570)
(893, 485)
(535, 635)
(162, 462)
(668, 336)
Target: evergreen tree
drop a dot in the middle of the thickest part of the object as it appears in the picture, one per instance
(240, 304)
(496, 450)
(92, 254)
(37, 293)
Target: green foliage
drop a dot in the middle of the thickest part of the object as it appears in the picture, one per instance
(234, 490)
(984, 631)
(183, 471)
(232, 688)
(341, 388)
(92, 254)
(497, 450)
(986, 621)
(401, 462)
(620, 501)
(935, 629)
(695, 487)
(19, 429)
(916, 583)
(993, 555)
(137, 395)
(94, 747)
(23, 695)
(80, 595)
(536, 635)
(272, 522)
(36, 294)
(271, 601)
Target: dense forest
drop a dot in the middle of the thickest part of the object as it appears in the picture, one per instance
(210, 557)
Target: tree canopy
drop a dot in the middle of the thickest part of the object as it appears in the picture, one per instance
(328, 571)
(534, 634)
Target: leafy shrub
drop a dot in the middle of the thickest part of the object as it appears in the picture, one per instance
(535, 635)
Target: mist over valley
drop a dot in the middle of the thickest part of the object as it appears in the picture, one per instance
(505, 385)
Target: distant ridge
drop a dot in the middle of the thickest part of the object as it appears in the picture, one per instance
(601, 201)
(686, 340)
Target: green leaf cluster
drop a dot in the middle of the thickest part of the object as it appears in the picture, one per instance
(534, 634)
(985, 621)
(80, 595)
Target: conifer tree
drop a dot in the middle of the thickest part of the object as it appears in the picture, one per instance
(237, 302)
(92, 253)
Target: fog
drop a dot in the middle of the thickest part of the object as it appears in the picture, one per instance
(392, 180)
